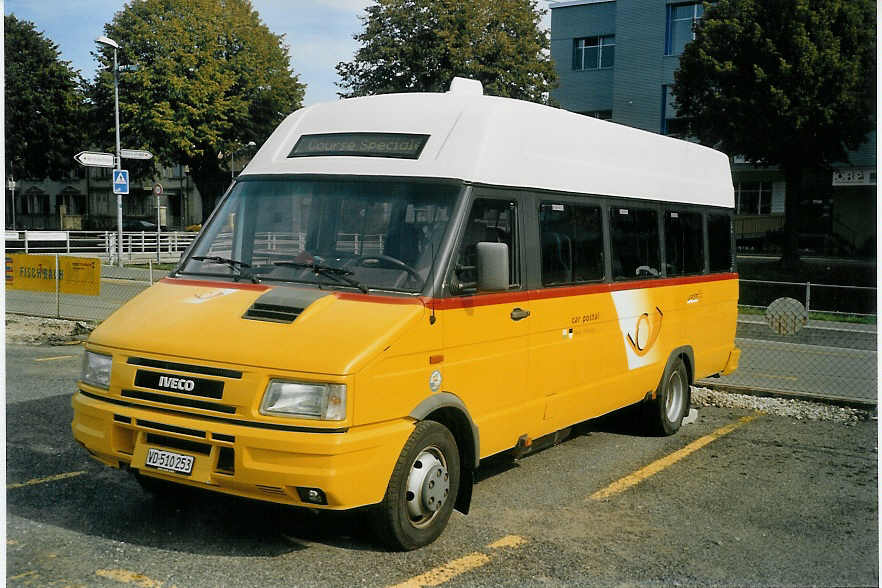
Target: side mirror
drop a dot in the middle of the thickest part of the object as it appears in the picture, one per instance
(492, 267)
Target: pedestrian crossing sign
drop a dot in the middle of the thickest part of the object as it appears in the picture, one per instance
(120, 181)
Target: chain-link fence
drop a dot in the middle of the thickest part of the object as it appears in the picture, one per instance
(797, 338)
(118, 285)
(806, 339)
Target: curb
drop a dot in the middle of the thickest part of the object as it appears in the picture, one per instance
(841, 401)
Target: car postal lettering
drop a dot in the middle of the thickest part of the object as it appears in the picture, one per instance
(397, 287)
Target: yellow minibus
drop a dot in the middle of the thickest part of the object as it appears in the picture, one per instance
(399, 286)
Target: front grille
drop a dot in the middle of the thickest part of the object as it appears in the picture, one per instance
(183, 367)
(175, 443)
(171, 428)
(272, 313)
(188, 402)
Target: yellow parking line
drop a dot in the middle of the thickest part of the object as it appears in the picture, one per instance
(655, 467)
(127, 577)
(53, 358)
(36, 481)
(447, 571)
(508, 541)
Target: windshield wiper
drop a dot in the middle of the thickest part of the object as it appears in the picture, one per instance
(318, 269)
(234, 264)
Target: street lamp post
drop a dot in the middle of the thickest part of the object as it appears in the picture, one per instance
(119, 216)
(11, 185)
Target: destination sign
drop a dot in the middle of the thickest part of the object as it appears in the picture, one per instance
(394, 145)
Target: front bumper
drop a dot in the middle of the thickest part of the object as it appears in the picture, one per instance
(352, 467)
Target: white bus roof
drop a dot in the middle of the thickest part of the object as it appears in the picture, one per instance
(504, 142)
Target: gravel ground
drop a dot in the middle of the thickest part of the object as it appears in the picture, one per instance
(788, 407)
(31, 330)
(36, 330)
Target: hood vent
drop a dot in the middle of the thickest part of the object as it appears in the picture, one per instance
(272, 313)
(282, 305)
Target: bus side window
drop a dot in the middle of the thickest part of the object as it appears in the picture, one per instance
(719, 237)
(684, 243)
(491, 221)
(636, 249)
(571, 243)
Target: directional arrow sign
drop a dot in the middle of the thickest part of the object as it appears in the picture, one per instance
(120, 181)
(94, 159)
(135, 154)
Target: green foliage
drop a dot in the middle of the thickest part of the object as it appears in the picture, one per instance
(208, 78)
(45, 110)
(781, 82)
(421, 45)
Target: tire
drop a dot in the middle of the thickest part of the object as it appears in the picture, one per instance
(422, 490)
(664, 415)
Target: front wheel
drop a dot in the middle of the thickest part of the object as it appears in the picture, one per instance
(421, 491)
(664, 415)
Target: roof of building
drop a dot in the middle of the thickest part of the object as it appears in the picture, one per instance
(504, 142)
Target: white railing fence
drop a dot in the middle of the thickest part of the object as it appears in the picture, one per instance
(137, 245)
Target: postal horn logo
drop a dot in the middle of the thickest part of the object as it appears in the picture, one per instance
(645, 332)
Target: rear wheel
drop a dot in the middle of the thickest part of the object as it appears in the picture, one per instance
(664, 415)
(421, 491)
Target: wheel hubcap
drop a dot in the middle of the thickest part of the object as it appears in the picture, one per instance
(676, 393)
(428, 486)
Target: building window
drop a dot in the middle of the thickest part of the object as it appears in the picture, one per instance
(36, 202)
(753, 198)
(670, 124)
(681, 22)
(601, 114)
(594, 52)
(74, 202)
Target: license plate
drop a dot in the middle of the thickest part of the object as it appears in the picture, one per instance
(169, 461)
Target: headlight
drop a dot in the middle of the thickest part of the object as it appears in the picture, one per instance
(96, 369)
(305, 399)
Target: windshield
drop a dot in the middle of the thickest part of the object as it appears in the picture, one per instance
(344, 234)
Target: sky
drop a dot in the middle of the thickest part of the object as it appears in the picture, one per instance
(318, 32)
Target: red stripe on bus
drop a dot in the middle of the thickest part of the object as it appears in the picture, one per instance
(376, 298)
(567, 291)
(214, 284)
(485, 299)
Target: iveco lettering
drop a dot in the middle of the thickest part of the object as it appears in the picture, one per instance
(399, 286)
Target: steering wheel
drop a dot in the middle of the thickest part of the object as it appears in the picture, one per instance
(393, 261)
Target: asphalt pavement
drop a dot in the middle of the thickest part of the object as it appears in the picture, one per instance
(737, 498)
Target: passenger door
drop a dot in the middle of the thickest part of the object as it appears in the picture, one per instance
(485, 334)
(571, 340)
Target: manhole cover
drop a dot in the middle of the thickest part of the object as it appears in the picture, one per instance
(786, 316)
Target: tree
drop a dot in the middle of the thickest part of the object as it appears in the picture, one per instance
(207, 77)
(420, 45)
(782, 82)
(45, 109)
